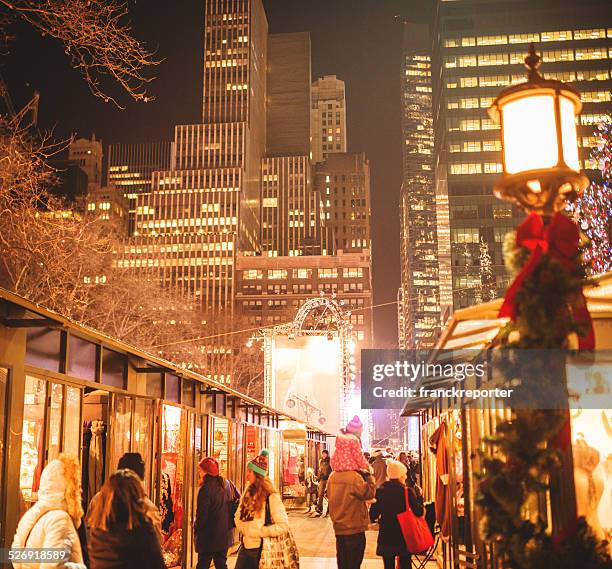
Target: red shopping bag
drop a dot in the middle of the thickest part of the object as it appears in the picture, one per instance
(416, 533)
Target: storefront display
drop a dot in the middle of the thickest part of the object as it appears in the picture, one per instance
(220, 444)
(32, 441)
(72, 421)
(95, 421)
(171, 484)
(142, 440)
(122, 428)
(592, 444)
(294, 467)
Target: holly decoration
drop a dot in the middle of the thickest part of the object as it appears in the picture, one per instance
(545, 306)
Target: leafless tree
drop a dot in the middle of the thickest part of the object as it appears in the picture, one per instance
(96, 35)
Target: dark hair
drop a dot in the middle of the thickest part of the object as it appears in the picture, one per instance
(325, 451)
(121, 503)
(132, 461)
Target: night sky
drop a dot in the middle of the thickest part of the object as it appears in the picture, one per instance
(357, 40)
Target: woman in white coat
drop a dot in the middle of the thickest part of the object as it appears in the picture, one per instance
(250, 516)
(53, 520)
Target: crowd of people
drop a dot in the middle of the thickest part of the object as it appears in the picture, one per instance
(122, 527)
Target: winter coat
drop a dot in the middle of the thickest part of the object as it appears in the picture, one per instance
(125, 549)
(214, 523)
(379, 465)
(348, 454)
(390, 501)
(347, 494)
(252, 531)
(325, 468)
(49, 527)
(47, 523)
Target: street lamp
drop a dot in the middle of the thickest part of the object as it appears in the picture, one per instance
(539, 142)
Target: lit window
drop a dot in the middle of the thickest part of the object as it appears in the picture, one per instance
(91, 207)
(492, 167)
(556, 36)
(471, 146)
(593, 119)
(558, 55)
(494, 81)
(465, 235)
(592, 75)
(491, 145)
(451, 42)
(595, 96)
(467, 61)
(469, 124)
(488, 124)
(486, 102)
(589, 34)
(593, 53)
(466, 168)
(469, 103)
(277, 273)
(328, 273)
(252, 274)
(468, 42)
(524, 38)
(468, 81)
(491, 40)
(485, 59)
(270, 202)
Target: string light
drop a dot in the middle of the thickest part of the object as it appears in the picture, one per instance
(593, 210)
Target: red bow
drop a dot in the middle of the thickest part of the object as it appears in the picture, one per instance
(560, 240)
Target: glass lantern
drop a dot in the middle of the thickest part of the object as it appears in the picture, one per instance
(540, 162)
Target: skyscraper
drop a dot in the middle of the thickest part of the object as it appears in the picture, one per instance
(328, 118)
(206, 206)
(131, 167)
(419, 294)
(343, 181)
(478, 48)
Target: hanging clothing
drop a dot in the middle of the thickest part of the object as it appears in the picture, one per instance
(438, 446)
(96, 458)
(166, 507)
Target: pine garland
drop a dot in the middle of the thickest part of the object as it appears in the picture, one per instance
(523, 456)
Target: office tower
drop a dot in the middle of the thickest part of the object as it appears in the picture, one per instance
(206, 206)
(87, 153)
(130, 170)
(328, 118)
(343, 180)
(270, 290)
(419, 294)
(288, 95)
(478, 49)
(291, 210)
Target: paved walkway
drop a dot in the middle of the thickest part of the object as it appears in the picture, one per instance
(317, 544)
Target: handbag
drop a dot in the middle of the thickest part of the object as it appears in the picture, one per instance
(414, 528)
(278, 552)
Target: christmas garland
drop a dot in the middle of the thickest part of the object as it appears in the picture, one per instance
(546, 307)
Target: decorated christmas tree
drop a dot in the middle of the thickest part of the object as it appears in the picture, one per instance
(593, 210)
(487, 279)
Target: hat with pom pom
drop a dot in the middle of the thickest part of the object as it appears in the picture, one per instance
(259, 464)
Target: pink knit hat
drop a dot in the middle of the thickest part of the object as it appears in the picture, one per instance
(355, 426)
(348, 454)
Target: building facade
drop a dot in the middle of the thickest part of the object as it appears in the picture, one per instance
(479, 47)
(327, 118)
(270, 290)
(206, 206)
(343, 181)
(419, 293)
(87, 153)
(130, 170)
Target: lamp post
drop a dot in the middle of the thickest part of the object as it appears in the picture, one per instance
(539, 142)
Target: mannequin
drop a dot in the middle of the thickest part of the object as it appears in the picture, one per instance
(589, 483)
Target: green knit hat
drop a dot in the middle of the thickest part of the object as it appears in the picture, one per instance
(260, 463)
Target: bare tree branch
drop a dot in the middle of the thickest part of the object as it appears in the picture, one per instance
(97, 36)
